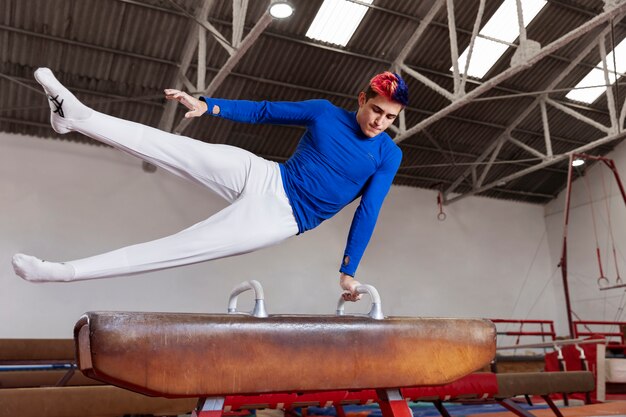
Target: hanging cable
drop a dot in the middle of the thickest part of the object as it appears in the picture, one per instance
(530, 268)
(620, 309)
(602, 280)
(579, 319)
(618, 279)
(554, 274)
(441, 216)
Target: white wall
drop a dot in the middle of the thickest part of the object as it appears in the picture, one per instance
(594, 192)
(62, 201)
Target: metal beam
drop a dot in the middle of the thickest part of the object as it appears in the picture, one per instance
(578, 116)
(273, 35)
(555, 160)
(190, 87)
(500, 190)
(546, 127)
(217, 35)
(394, 13)
(527, 148)
(493, 157)
(622, 116)
(398, 63)
(510, 72)
(191, 44)
(421, 28)
(201, 70)
(428, 82)
(610, 100)
(227, 68)
(239, 20)
(454, 48)
(526, 112)
(470, 48)
(453, 164)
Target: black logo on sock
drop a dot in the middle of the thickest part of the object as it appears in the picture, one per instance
(58, 104)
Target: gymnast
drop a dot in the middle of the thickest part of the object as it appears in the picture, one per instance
(342, 156)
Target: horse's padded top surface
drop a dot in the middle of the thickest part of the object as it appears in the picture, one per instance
(191, 355)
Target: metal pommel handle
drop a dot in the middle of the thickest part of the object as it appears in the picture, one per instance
(376, 312)
(259, 298)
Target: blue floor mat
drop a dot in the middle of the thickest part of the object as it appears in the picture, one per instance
(423, 409)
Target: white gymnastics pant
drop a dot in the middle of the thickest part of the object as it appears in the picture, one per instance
(259, 214)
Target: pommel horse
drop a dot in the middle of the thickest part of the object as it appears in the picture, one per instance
(217, 356)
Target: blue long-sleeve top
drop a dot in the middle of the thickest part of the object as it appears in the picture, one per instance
(333, 164)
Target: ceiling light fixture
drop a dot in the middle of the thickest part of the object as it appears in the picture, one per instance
(281, 9)
(578, 162)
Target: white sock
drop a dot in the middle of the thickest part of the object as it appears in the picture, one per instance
(36, 270)
(65, 108)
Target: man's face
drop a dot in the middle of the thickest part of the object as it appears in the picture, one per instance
(376, 114)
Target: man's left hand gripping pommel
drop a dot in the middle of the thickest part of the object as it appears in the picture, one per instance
(196, 107)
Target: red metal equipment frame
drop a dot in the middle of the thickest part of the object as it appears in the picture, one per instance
(580, 325)
(542, 332)
(563, 264)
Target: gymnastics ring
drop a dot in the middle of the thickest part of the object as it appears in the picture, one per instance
(604, 280)
(259, 298)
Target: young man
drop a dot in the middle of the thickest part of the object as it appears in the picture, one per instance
(342, 156)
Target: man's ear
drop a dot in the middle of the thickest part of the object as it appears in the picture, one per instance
(362, 99)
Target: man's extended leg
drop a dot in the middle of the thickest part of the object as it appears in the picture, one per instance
(261, 217)
(221, 168)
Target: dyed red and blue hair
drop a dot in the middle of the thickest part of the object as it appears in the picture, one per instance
(389, 85)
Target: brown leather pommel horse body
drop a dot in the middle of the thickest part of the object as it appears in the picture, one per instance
(216, 355)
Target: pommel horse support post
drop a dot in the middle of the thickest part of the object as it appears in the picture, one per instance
(213, 356)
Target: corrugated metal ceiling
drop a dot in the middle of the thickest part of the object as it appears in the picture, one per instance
(118, 55)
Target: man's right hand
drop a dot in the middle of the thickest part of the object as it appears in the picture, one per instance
(349, 284)
(197, 107)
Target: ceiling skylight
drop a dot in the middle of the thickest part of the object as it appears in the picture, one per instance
(596, 77)
(337, 20)
(503, 25)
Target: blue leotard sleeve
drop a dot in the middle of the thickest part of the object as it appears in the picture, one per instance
(272, 112)
(366, 214)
